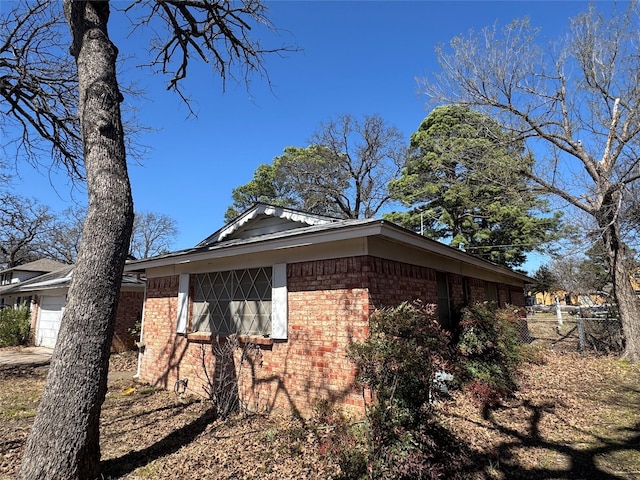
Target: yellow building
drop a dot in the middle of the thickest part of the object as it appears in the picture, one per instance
(549, 298)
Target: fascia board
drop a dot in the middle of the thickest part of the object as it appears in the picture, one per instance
(58, 283)
(369, 229)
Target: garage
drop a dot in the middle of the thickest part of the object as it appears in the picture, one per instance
(49, 319)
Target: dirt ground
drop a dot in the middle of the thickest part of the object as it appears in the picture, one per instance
(575, 417)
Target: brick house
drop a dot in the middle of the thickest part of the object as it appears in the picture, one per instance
(298, 288)
(46, 296)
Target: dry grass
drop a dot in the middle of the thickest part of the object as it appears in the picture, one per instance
(575, 417)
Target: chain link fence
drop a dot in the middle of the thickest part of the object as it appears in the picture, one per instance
(581, 330)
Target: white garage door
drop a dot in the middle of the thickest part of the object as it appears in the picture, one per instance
(49, 319)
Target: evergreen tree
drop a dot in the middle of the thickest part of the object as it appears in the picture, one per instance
(463, 183)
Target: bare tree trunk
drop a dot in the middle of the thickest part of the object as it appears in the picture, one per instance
(625, 297)
(64, 441)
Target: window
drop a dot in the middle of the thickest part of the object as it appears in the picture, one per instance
(444, 308)
(466, 290)
(236, 301)
(491, 292)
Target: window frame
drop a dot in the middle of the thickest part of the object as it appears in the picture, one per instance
(278, 313)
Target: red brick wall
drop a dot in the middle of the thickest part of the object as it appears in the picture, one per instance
(477, 290)
(328, 309)
(503, 295)
(129, 312)
(392, 283)
(329, 304)
(456, 291)
(516, 296)
(163, 349)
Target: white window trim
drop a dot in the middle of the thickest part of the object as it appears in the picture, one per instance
(183, 303)
(279, 303)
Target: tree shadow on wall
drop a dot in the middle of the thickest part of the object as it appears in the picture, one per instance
(221, 385)
(320, 347)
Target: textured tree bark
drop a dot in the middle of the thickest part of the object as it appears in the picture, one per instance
(625, 297)
(64, 441)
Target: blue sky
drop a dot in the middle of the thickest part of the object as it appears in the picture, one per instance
(355, 57)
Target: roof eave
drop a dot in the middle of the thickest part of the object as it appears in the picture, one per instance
(416, 240)
(255, 246)
(371, 228)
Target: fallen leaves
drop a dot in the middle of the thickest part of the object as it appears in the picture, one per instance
(574, 417)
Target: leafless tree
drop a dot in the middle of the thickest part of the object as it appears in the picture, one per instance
(64, 238)
(75, 113)
(577, 105)
(153, 234)
(24, 225)
(344, 172)
(369, 153)
(39, 85)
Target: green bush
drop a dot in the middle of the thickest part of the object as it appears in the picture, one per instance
(15, 324)
(490, 350)
(397, 364)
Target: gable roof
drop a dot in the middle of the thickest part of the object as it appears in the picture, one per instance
(43, 265)
(262, 219)
(48, 280)
(244, 236)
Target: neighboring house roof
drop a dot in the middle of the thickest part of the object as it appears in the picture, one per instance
(43, 265)
(48, 280)
(33, 270)
(293, 228)
(60, 279)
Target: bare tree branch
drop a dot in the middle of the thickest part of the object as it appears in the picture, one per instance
(217, 33)
(578, 110)
(38, 86)
(153, 234)
(24, 225)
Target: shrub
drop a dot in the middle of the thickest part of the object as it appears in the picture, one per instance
(397, 364)
(15, 325)
(341, 441)
(490, 350)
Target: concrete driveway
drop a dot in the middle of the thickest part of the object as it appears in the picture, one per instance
(16, 357)
(32, 356)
